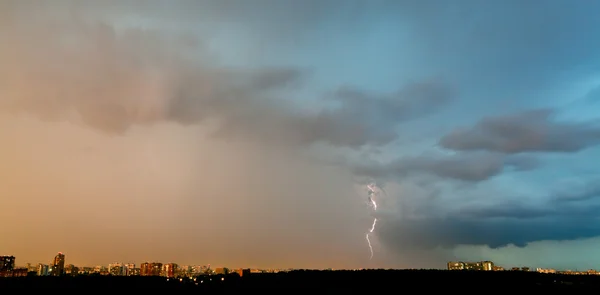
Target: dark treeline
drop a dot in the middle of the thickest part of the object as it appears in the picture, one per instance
(319, 281)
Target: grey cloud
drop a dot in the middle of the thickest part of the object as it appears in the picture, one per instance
(522, 162)
(117, 78)
(506, 210)
(499, 224)
(532, 131)
(470, 167)
(448, 232)
(583, 191)
(360, 119)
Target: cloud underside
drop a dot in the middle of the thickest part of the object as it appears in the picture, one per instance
(448, 233)
(563, 217)
(531, 131)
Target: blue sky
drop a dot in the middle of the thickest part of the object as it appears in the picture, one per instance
(479, 118)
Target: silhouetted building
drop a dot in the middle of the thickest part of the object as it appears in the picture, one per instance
(19, 272)
(7, 263)
(221, 270)
(71, 270)
(243, 272)
(58, 267)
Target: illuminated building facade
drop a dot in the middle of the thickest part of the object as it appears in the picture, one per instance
(482, 265)
(150, 269)
(487, 265)
(456, 265)
(169, 270)
(58, 267)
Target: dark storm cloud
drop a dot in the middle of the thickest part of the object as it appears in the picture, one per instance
(449, 232)
(469, 167)
(499, 224)
(531, 131)
(585, 191)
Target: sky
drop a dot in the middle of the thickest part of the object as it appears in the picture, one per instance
(244, 133)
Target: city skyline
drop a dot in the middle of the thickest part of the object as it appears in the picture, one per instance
(249, 132)
(8, 268)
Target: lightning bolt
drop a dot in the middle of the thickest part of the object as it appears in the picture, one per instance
(372, 190)
(369, 240)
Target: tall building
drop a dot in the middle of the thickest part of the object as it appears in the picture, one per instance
(151, 269)
(117, 269)
(129, 269)
(58, 267)
(169, 270)
(146, 269)
(43, 270)
(487, 265)
(156, 269)
(7, 263)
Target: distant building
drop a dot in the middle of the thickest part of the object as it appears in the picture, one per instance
(117, 269)
(7, 263)
(458, 265)
(145, 269)
(58, 267)
(71, 270)
(169, 270)
(18, 272)
(150, 269)
(43, 270)
(156, 268)
(542, 270)
(487, 265)
(133, 271)
(221, 270)
(473, 265)
(243, 271)
(481, 266)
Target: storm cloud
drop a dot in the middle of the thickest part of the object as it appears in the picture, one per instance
(497, 223)
(251, 123)
(531, 131)
(140, 77)
(469, 167)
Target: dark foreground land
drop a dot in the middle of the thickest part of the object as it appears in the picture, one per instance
(398, 281)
